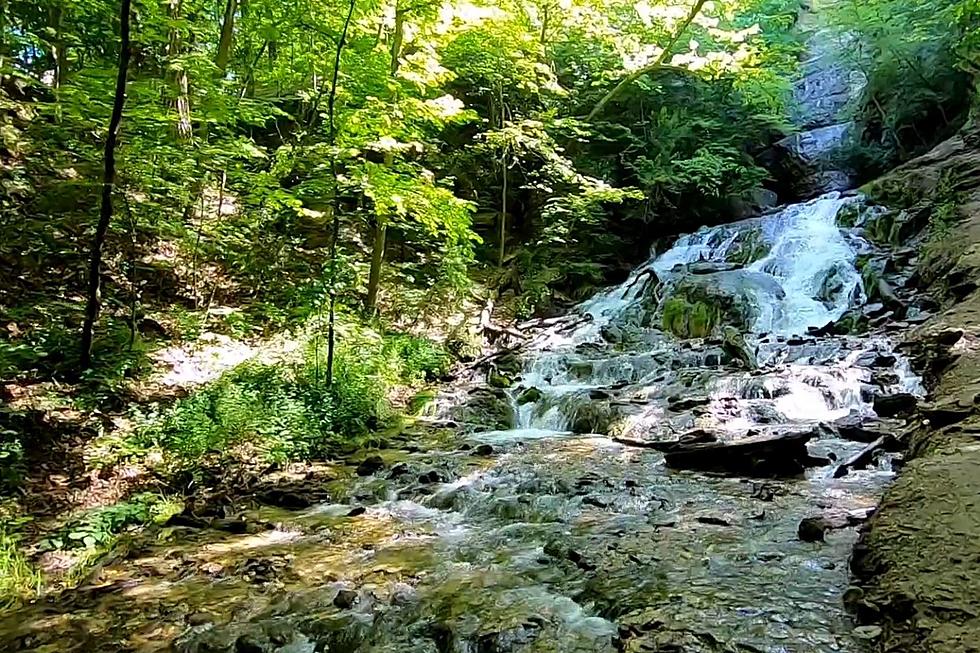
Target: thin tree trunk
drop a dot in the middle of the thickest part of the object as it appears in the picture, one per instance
(377, 259)
(381, 223)
(503, 191)
(335, 172)
(227, 36)
(177, 75)
(653, 67)
(59, 55)
(108, 184)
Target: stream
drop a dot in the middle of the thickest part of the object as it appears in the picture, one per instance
(538, 538)
(564, 532)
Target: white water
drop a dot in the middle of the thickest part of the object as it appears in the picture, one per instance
(807, 254)
(806, 246)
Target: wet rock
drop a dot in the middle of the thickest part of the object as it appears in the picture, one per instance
(357, 512)
(529, 396)
(488, 408)
(432, 476)
(249, 643)
(499, 381)
(483, 450)
(709, 267)
(734, 345)
(902, 403)
(611, 333)
(399, 470)
(595, 417)
(769, 456)
(865, 457)
(812, 529)
(679, 404)
(853, 427)
(509, 364)
(370, 466)
(286, 499)
(199, 618)
(345, 599)
(713, 520)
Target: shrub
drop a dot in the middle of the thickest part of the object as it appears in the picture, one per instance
(289, 411)
(100, 526)
(18, 579)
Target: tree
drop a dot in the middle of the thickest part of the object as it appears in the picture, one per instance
(108, 186)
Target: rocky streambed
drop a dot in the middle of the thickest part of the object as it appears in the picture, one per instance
(543, 507)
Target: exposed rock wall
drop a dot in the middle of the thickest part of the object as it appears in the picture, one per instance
(919, 558)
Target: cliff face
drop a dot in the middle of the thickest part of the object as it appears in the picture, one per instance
(919, 558)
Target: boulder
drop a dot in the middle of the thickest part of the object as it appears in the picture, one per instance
(768, 456)
(902, 403)
(812, 529)
(595, 417)
(700, 303)
(529, 396)
(370, 466)
(486, 407)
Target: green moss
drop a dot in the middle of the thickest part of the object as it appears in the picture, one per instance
(497, 380)
(18, 579)
(689, 320)
(749, 249)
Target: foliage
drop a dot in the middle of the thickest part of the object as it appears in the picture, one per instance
(97, 528)
(288, 411)
(18, 579)
(919, 58)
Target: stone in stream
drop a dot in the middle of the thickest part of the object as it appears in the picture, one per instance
(812, 529)
(770, 456)
(345, 599)
(853, 428)
(483, 450)
(902, 403)
(370, 465)
(679, 404)
(529, 396)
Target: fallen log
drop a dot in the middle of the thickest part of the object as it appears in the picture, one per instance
(766, 456)
(864, 458)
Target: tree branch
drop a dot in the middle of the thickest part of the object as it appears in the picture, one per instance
(653, 67)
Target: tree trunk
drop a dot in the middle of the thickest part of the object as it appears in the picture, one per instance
(656, 65)
(59, 54)
(335, 173)
(503, 191)
(177, 76)
(380, 222)
(227, 36)
(108, 184)
(377, 259)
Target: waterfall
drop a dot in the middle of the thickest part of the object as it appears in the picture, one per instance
(805, 249)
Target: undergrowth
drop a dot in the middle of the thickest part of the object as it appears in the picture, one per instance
(288, 411)
(19, 580)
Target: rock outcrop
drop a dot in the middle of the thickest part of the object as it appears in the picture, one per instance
(919, 558)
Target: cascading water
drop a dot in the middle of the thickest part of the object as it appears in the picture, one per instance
(552, 537)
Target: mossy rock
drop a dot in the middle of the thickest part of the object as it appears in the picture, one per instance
(689, 320)
(748, 248)
(497, 380)
(529, 396)
(595, 417)
(509, 364)
(487, 407)
(701, 303)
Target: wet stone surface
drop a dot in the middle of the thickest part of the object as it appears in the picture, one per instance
(535, 538)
